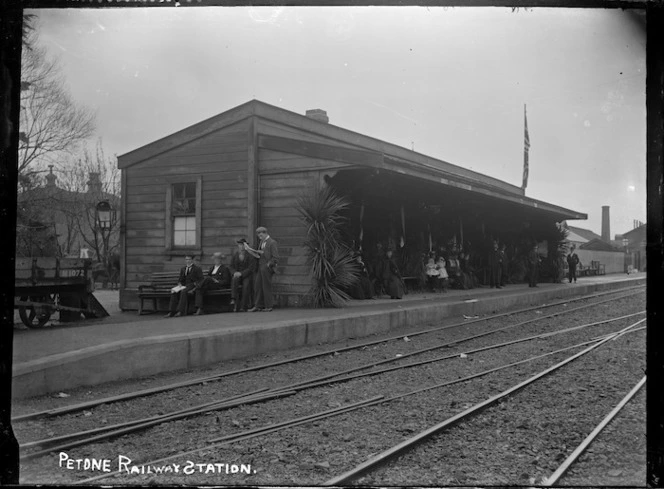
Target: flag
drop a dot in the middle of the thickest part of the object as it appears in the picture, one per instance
(526, 148)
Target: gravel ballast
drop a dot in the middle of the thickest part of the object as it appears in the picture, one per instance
(560, 407)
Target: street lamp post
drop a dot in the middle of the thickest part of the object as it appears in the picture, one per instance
(104, 221)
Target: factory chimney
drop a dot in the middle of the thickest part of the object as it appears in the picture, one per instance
(606, 224)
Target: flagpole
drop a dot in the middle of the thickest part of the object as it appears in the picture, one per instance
(526, 148)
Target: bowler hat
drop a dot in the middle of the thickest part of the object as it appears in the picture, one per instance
(241, 240)
(218, 254)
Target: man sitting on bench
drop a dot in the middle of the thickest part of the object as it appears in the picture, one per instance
(190, 275)
(218, 277)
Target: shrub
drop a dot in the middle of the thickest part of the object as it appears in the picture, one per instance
(333, 268)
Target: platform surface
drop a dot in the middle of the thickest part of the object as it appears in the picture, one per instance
(42, 356)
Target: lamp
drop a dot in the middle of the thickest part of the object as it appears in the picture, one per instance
(104, 215)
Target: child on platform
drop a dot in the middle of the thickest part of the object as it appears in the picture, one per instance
(432, 273)
(443, 277)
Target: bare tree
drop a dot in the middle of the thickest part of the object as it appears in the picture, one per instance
(59, 218)
(52, 124)
(89, 180)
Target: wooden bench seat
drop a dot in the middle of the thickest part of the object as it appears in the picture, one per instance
(159, 289)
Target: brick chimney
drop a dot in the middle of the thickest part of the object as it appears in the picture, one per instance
(318, 115)
(606, 224)
(94, 182)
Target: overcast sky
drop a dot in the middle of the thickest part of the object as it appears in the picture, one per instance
(450, 81)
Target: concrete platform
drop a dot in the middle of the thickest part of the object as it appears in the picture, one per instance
(126, 345)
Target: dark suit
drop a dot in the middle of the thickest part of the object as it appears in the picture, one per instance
(179, 300)
(212, 281)
(392, 278)
(376, 270)
(572, 262)
(241, 287)
(495, 268)
(267, 266)
(533, 265)
(504, 268)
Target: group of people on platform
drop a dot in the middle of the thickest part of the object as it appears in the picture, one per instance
(249, 277)
(442, 269)
(381, 276)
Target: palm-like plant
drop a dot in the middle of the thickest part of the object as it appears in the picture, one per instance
(557, 251)
(333, 268)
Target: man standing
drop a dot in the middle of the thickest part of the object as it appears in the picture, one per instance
(190, 275)
(267, 255)
(495, 266)
(218, 277)
(533, 265)
(504, 265)
(572, 263)
(243, 268)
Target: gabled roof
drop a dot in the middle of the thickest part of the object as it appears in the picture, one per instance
(388, 156)
(59, 195)
(640, 229)
(586, 234)
(598, 244)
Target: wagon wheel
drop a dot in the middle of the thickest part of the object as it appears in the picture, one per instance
(36, 316)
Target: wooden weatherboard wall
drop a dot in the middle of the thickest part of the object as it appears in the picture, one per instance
(288, 167)
(217, 163)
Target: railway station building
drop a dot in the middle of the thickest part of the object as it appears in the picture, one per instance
(202, 188)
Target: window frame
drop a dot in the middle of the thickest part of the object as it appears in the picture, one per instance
(169, 246)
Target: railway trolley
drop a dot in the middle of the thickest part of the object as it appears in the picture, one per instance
(43, 286)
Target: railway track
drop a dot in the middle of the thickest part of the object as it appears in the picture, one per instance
(397, 457)
(266, 396)
(211, 378)
(262, 395)
(384, 457)
(71, 440)
(569, 461)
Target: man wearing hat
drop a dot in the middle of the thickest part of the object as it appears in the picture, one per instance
(572, 262)
(243, 268)
(218, 277)
(190, 275)
(267, 255)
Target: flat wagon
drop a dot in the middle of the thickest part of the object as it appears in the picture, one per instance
(45, 285)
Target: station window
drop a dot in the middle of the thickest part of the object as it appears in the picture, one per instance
(184, 215)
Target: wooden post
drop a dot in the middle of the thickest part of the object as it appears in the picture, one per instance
(253, 202)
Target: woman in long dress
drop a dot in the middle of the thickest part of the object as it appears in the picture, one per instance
(392, 277)
(362, 289)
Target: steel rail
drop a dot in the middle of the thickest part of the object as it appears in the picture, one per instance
(246, 435)
(456, 355)
(50, 441)
(148, 424)
(431, 348)
(626, 332)
(248, 397)
(389, 454)
(226, 440)
(200, 380)
(263, 395)
(553, 478)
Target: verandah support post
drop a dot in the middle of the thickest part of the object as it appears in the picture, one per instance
(252, 180)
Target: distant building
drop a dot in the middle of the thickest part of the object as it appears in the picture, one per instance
(634, 243)
(53, 221)
(591, 247)
(578, 236)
